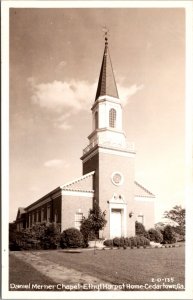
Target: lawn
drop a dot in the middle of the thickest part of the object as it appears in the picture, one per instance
(134, 266)
(22, 273)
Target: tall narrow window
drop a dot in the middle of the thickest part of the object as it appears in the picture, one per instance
(37, 216)
(96, 117)
(78, 219)
(29, 220)
(33, 218)
(48, 213)
(56, 216)
(112, 118)
(140, 219)
(42, 214)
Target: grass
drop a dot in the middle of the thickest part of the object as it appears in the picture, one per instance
(136, 266)
(21, 273)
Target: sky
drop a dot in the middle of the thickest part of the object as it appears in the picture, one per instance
(55, 60)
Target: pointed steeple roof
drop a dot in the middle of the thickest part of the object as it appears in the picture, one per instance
(106, 83)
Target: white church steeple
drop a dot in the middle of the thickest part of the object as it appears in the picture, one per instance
(107, 108)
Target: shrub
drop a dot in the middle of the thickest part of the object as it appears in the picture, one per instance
(142, 240)
(147, 242)
(124, 247)
(138, 240)
(127, 242)
(139, 228)
(179, 230)
(133, 242)
(169, 235)
(71, 238)
(51, 237)
(116, 242)
(86, 232)
(155, 235)
(90, 226)
(108, 243)
(122, 241)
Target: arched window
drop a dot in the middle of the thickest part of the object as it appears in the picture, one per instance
(112, 118)
(96, 120)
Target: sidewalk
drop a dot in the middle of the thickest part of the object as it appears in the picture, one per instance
(55, 272)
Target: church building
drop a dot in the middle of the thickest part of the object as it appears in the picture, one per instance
(108, 174)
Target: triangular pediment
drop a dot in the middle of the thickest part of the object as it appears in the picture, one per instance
(141, 191)
(83, 183)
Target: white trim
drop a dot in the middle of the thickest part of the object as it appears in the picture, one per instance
(121, 180)
(101, 149)
(123, 208)
(144, 199)
(79, 194)
(106, 98)
(87, 157)
(116, 199)
(116, 152)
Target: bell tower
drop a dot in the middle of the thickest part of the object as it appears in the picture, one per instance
(110, 155)
(107, 108)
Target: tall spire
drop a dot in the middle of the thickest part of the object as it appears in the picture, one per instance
(106, 83)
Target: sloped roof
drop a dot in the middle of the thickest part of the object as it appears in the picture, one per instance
(81, 184)
(21, 210)
(140, 191)
(106, 83)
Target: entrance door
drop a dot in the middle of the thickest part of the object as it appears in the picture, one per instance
(116, 223)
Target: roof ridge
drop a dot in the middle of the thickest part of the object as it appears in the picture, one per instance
(141, 186)
(77, 179)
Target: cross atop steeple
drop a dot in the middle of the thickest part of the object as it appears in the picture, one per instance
(106, 84)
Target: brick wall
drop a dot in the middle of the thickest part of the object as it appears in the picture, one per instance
(70, 206)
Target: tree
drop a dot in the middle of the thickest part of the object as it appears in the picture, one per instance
(169, 235)
(96, 221)
(155, 235)
(177, 214)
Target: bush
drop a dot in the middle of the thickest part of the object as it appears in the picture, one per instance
(138, 240)
(179, 233)
(128, 242)
(122, 241)
(155, 235)
(116, 242)
(139, 228)
(71, 238)
(133, 242)
(39, 236)
(169, 235)
(51, 237)
(87, 233)
(108, 243)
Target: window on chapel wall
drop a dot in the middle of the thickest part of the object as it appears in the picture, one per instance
(112, 118)
(96, 119)
(48, 213)
(56, 216)
(78, 219)
(42, 214)
(140, 219)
